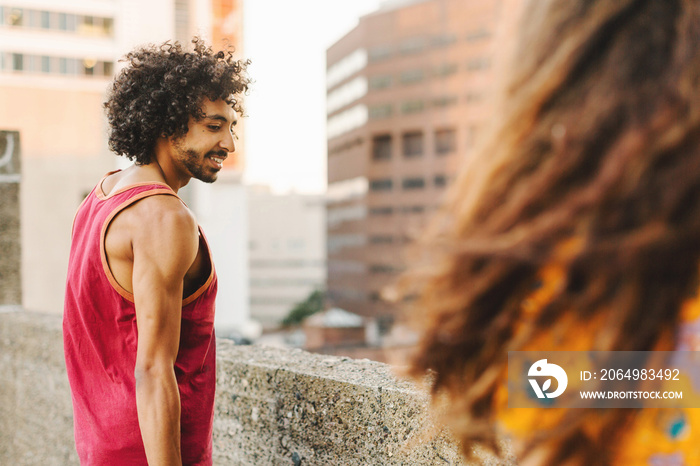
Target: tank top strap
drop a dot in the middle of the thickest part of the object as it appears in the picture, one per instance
(117, 202)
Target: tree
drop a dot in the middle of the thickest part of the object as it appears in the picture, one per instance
(310, 306)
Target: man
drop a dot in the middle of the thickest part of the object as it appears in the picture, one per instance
(139, 309)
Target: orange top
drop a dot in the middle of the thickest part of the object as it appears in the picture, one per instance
(657, 436)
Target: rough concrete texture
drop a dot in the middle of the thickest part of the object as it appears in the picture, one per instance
(274, 407)
(292, 407)
(36, 419)
(10, 249)
(10, 240)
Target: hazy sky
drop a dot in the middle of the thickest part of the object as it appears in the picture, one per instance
(286, 129)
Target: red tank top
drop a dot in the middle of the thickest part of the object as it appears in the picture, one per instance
(100, 335)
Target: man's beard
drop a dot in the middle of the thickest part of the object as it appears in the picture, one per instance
(196, 164)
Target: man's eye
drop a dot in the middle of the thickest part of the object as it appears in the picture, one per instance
(214, 127)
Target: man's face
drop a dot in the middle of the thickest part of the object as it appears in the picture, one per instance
(207, 143)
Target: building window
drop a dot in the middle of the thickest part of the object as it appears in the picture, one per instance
(45, 20)
(413, 209)
(412, 106)
(17, 61)
(411, 76)
(446, 69)
(445, 141)
(381, 211)
(67, 22)
(412, 45)
(379, 82)
(444, 40)
(384, 184)
(108, 26)
(380, 111)
(413, 183)
(45, 64)
(413, 144)
(34, 17)
(445, 101)
(381, 268)
(60, 65)
(68, 66)
(440, 181)
(381, 147)
(478, 64)
(379, 53)
(381, 239)
(384, 324)
(32, 63)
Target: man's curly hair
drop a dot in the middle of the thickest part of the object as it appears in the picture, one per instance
(161, 87)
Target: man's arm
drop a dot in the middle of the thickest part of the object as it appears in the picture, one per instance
(164, 245)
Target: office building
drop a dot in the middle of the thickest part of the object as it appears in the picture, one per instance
(406, 93)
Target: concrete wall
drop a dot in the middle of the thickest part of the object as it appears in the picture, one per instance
(273, 406)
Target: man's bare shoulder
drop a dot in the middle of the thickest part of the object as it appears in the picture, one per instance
(163, 234)
(161, 213)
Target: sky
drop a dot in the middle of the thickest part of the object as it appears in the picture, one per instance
(285, 134)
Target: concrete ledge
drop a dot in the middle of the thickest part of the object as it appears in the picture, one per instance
(273, 406)
(36, 418)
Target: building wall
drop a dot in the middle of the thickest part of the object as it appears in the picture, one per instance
(222, 212)
(409, 88)
(62, 133)
(286, 252)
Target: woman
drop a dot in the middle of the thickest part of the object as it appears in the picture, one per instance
(575, 227)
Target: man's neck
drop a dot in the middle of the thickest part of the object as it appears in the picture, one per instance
(163, 163)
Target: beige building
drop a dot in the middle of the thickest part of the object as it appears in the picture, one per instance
(56, 62)
(406, 92)
(287, 251)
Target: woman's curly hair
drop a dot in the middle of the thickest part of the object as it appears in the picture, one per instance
(592, 167)
(163, 86)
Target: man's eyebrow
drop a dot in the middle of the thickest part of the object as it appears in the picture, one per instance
(216, 117)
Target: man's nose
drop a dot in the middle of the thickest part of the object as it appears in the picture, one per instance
(228, 143)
